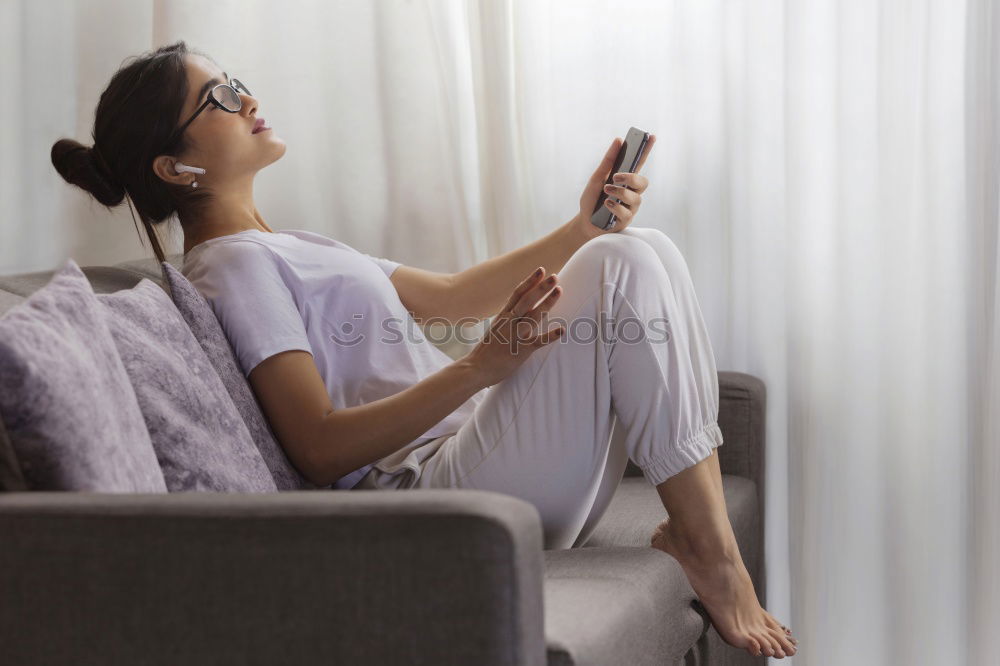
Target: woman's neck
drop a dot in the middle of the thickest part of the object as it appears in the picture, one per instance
(199, 233)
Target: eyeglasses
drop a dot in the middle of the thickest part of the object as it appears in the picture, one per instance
(225, 96)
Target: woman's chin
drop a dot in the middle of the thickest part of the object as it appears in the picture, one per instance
(276, 148)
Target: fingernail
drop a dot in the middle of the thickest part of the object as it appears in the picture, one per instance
(538, 271)
(618, 178)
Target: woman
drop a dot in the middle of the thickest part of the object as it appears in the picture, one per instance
(531, 411)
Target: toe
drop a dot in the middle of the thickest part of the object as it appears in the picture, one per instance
(774, 624)
(773, 621)
(776, 648)
(779, 647)
(783, 642)
(765, 644)
(753, 647)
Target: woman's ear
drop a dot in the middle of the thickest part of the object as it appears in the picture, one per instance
(163, 167)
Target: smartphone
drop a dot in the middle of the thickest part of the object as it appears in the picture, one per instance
(628, 158)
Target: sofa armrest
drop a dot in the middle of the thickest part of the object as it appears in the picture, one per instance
(742, 409)
(742, 405)
(419, 576)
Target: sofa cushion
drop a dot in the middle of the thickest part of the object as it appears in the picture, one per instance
(150, 266)
(618, 606)
(208, 331)
(200, 439)
(636, 510)
(8, 300)
(65, 398)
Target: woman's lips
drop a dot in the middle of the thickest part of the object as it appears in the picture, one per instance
(259, 126)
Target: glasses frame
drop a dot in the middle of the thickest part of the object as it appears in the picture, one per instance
(234, 84)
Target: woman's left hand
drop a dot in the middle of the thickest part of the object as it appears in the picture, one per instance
(627, 188)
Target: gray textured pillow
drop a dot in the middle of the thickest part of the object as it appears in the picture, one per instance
(200, 439)
(65, 398)
(208, 331)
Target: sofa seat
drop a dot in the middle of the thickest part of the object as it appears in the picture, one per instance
(616, 599)
(618, 605)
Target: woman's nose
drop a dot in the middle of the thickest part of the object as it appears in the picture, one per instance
(249, 103)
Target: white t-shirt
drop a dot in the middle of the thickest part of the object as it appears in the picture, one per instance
(294, 289)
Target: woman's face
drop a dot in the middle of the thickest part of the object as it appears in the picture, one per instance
(220, 142)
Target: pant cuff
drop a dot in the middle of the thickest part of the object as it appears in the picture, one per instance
(687, 454)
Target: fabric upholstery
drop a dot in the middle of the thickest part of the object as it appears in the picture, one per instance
(199, 437)
(207, 330)
(636, 510)
(150, 266)
(103, 279)
(8, 300)
(424, 577)
(65, 398)
(629, 521)
(618, 606)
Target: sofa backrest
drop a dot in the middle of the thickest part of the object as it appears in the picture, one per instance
(104, 279)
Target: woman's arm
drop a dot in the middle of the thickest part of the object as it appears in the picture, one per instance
(326, 444)
(479, 291)
(356, 436)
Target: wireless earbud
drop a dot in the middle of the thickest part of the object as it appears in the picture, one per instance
(180, 168)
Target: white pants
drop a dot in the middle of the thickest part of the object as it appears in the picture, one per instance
(634, 377)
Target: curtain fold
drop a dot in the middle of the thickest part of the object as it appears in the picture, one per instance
(982, 143)
(830, 171)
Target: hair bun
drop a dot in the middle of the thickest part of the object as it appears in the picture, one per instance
(82, 166)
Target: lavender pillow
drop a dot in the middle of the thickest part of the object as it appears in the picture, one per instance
(208, 331)
(199, 437)
(65, 398)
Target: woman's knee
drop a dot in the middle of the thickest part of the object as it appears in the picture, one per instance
(627, 248)
(670, 255)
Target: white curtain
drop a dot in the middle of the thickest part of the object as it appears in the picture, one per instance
(829, 169)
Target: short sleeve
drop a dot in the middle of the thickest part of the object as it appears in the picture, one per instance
(255, 307)
(387, 265)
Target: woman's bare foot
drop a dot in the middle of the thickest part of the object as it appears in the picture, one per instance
(724, 588)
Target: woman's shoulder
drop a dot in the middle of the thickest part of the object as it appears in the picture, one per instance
(238, 263)
(316, 238)
(228, 253)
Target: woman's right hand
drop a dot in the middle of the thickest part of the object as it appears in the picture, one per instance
(514, 333)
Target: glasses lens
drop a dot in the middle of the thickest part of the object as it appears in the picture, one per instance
(228, 98)
(240, 87)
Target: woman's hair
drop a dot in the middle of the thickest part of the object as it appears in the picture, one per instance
(135, 119)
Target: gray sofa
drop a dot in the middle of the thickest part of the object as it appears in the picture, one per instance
(436, 577)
